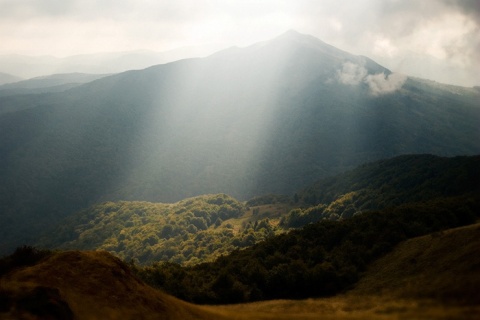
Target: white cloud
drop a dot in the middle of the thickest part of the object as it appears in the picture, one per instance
(351, 73)
(382, 84)
(354, 74)
(384, 47)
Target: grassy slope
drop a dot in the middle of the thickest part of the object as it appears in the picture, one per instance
(97, 286)
(416, 280)
(431, 277)
(444, 266)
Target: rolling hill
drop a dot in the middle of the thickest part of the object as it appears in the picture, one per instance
(383, 184)
(441, 266)
(322, 259)
(270, 118)
(202, 228)
(431, 277)
(190, 231)
(100, 286)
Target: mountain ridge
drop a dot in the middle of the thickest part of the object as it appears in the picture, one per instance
(46, 84)
(8, 78)
(107, 62)
(254, 122)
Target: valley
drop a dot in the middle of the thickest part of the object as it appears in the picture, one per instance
(202, 228)
(271, 118)
(285, 179)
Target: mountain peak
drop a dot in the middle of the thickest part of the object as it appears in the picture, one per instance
(292, 33)
(295, 39)
(297, 36)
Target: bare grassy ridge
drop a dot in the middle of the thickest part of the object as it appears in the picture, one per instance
(443, 265)
(430, 277)
(93, 285)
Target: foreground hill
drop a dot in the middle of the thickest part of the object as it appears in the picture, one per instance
(443, 266)
(270, 118)
(86, 285)
(431, 277)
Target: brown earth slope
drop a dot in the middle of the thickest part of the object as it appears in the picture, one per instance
(87, 285)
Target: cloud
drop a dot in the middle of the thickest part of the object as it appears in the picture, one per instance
(392, 31)
(384, 30)
(354, 74)
(469, 7)
(351, 73)
(382, 84)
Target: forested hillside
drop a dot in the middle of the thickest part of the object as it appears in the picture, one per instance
(270, 118)
(200, 229)
(383, 184)
(253, 253)
(190, 231)
(414, 281)
(322, 259)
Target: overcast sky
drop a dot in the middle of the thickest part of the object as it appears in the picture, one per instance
(436, 39)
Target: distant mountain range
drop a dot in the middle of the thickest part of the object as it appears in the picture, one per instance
(270, 118)
(45, 84)
(8, 78)
(99, 63)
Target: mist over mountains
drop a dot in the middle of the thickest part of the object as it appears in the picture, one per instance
(270, 118)
(8, 78)
(99, 63)
(46, 84)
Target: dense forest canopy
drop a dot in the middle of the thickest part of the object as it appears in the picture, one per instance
(322, 259)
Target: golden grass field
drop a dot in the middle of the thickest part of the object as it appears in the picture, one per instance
(431, 277)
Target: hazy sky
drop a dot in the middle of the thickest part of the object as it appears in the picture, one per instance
(437, 39)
